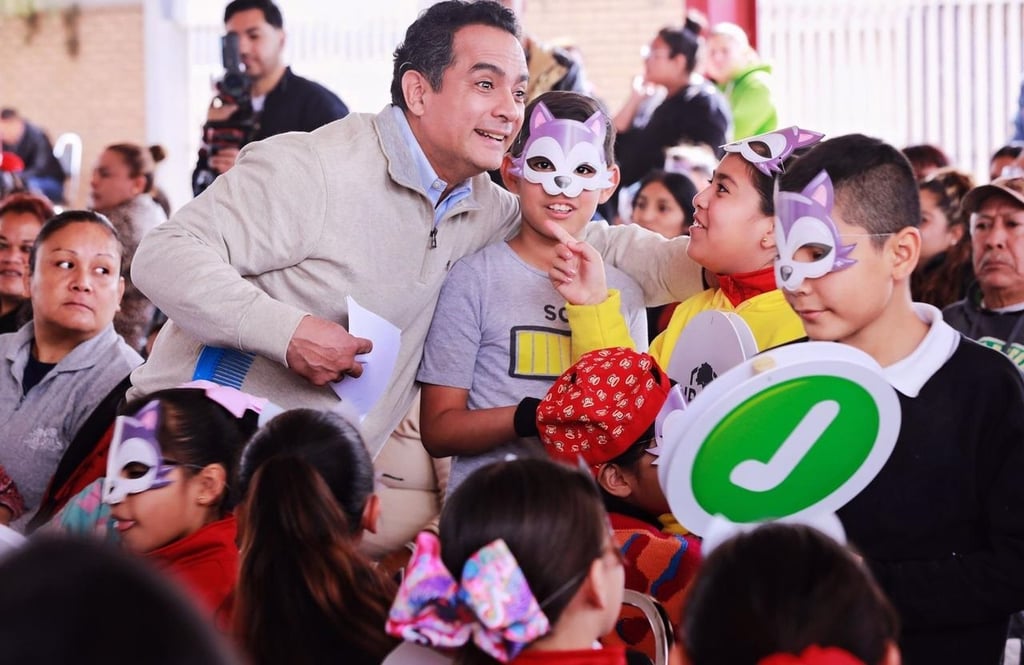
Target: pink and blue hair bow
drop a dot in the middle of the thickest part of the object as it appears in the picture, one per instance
(492, 604)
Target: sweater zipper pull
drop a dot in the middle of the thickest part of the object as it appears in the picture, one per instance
(433, 238)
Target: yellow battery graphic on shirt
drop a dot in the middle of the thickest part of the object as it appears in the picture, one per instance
(539, 353)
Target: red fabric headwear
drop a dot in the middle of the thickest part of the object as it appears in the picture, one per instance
(601, 405)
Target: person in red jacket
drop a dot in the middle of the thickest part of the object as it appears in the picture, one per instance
(168, 468)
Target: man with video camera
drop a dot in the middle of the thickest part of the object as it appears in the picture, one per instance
(260, 98)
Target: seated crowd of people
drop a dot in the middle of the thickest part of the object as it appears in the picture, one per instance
(218, 485)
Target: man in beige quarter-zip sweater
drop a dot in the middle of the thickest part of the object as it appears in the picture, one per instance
(254, 272)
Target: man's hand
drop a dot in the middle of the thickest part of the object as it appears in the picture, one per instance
(225, 157)
(223, 160)
(323, 351)
(578, 271)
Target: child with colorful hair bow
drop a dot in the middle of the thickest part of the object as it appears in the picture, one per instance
(539, 578)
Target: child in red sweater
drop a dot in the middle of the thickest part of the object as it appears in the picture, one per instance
(167, 485)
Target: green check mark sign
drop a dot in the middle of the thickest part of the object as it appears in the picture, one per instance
(800, 430)
(785, 448)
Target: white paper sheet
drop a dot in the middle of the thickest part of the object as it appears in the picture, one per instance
(359, 395)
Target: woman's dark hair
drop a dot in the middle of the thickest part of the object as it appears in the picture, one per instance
(67, 218)
(140, 161)
(197, 431)
(530, 504)
(428, 44)
(945, 283)
(566, 105)
(684, 41)
(925, 154)
(788, 587)
(24, 203)
(678, 185)
(100, 597)
(305, 593)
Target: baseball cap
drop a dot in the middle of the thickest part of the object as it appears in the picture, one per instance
(1012, 187)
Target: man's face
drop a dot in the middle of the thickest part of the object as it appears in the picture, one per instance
(259, 43)
(997, 243)
(10, 130)
(466, 126)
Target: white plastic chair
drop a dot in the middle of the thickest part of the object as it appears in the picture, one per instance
(68, 151)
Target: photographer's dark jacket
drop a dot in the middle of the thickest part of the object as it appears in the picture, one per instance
(297, 104)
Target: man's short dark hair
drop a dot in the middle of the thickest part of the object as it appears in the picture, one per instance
(8, 114)
(427, 48)
(271, 13)
(874, 183)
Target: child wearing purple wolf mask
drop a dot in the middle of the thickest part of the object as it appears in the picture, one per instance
(500, 332)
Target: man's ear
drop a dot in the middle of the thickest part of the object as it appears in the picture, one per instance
(510, 181)
(611, 478)
(213, 483)
(371, 513)
(415, 87)
(616, 176)
(905, 246)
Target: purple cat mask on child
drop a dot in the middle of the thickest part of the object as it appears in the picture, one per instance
(566, 145)
(778, 145)
(135, 443)
(805, 223)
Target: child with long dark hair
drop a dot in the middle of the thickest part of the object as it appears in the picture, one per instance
(786, 594)
(167, 484)
(526, 570)
(305, 592)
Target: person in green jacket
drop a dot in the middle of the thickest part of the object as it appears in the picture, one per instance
(744, 80)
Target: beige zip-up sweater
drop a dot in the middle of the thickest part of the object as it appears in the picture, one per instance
(305, 219)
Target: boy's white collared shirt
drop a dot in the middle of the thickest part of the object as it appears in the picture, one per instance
(910, 374)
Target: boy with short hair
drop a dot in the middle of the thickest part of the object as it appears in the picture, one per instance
(500, 332)
(942, 524)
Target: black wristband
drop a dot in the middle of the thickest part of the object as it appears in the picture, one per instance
(525, 420)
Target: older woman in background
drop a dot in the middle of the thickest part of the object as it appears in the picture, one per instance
(122, 189)
(744, 79)
(58, 370)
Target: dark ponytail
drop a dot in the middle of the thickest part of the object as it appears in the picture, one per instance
(305, 593)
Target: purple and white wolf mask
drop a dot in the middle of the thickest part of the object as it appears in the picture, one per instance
(805, 223)
(573, 151)
(767, 151)
(135, 445)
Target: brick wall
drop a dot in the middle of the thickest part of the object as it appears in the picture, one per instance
(98, 94)
(609, 33)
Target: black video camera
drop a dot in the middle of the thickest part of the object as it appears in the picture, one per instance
(235, 87)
